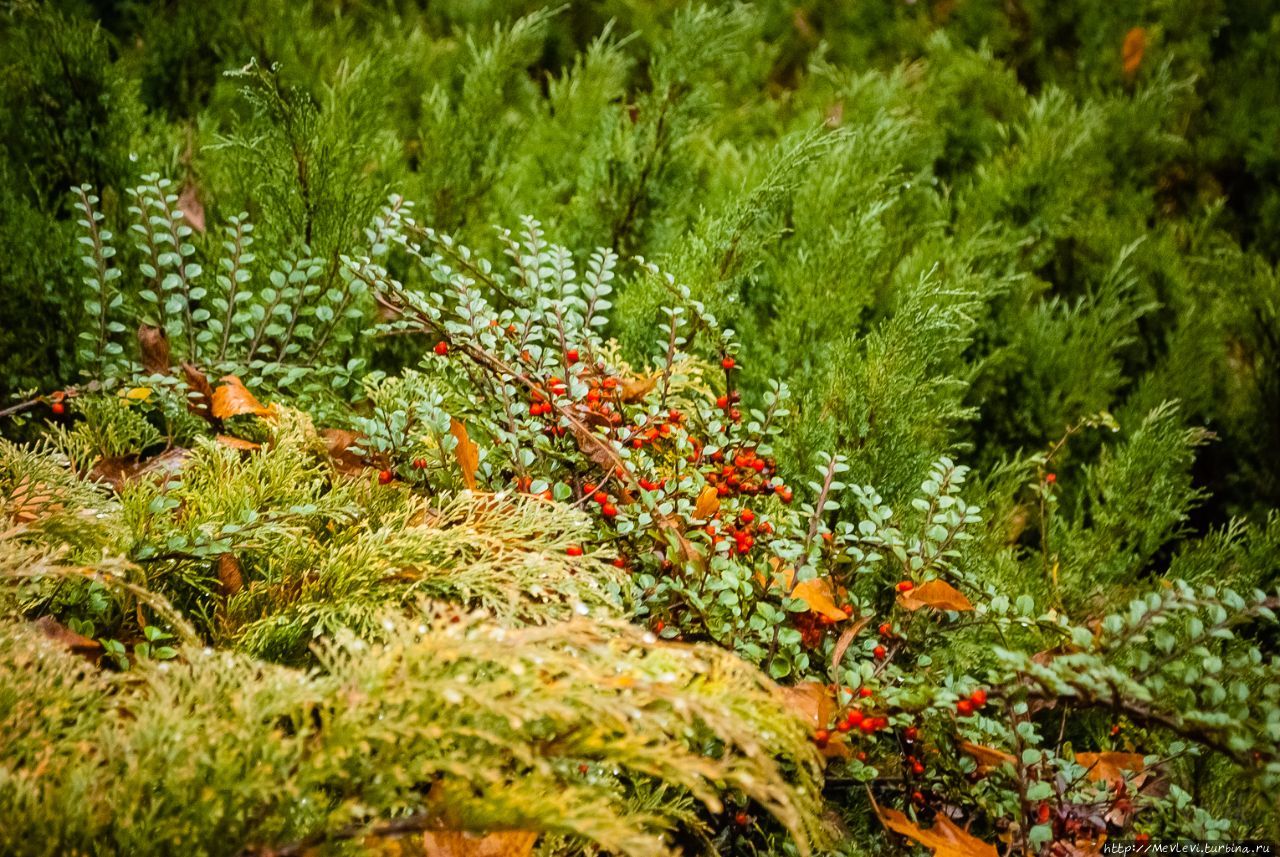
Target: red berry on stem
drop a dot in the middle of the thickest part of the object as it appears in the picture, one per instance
(906, 586)
(58, 409)
(1051, 478)
(865, 692)
(964, 707)
(917, 768)
(910, 733)
(821, 737)
(571, 356)
(741, 819)
(728, 363)
(609, 510)
(886, 630)
(573, 550)
(978, 698)
(442, 348)
(747, 516)
(386, 476)
(879, 652)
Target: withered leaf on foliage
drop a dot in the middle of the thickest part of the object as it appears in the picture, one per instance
(813, 702)
(117, 472)
(453, 843)
(1135, 46)
(467, 453)
(937, 594)
(1111, 767)
(708, 503)
(232, 399)
(846, 639)
(191, 207)
(78, 644)
(230, 578)
(987, 757)
(238, 443)
(945, 838)
(635, 389)
(815, 593)
(339, 443)
(155, 349)
(201, 403)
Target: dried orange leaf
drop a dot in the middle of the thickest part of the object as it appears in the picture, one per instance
(635, 389)
(64, 636)
(846, 639)
(816, 594)
(467, 453)
(937, 594)
(945, 838)
(454, 843)
(1110, 767)
(200, 402)
(232, 399)
(708, 503)
(155, 350)
(229, 576)
(238, 443)
(1135, 45)
(987, 757)
(812, 702)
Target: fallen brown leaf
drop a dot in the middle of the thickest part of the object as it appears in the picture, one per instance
(708, 503)
(238, 443)
(945, 838)
(118, 472)
(191, 207)
(452, 843)
(1131, 53)
(339, 443)
(155, 350)
(233, 399)
(467, 453)
(230, 578)
(635, 389)
(78, 644)
(937, 594)
(814, 703)
(987, 757)
(201, 404)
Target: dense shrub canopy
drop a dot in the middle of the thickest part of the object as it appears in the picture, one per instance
(638, 427)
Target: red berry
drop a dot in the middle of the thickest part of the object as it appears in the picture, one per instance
(964, 707)
(1042, 813)
(910, 733)
(442, 348)
(821, 737)
(609, 510)
(784, 494)
(978, 698)
(917, 797)
(386, 476)
(1051, 478)
(741, 819)
(906, 586)
(619, 562)
(847, 610)
(582, 769)
(886, 630)
(573, 550)
(571, 356)
(728, 363)
(868, 725)
(844, 725)
(588, 488)
(58, 408)
(659, 625)
(722, 402)
(864, 692)
(747, 516)
(879, 652)
(601, 497)
(917, 768)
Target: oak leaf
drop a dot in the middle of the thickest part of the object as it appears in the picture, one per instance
(945, 838)
(467, 453)
(233, 399)
(937, 594)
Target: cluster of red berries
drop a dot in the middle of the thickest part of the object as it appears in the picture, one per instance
(748, 473)
(743, 530)
(607, 504)
(653, 432)
(972, 703)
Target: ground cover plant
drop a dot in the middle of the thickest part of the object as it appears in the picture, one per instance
(633, 428)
